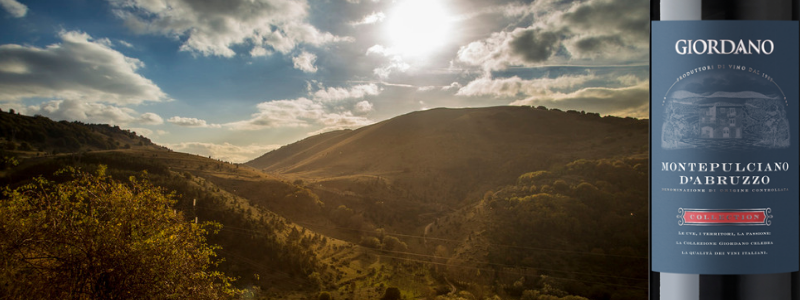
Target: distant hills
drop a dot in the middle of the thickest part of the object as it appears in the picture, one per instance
(450, 157)
(437, 202)
(39, 133)
(268, 253)
(503, 195)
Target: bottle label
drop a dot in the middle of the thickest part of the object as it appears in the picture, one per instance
(724, 113)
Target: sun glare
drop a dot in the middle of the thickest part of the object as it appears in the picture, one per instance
(418, 27)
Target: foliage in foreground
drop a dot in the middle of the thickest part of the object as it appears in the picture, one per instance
(92, 237)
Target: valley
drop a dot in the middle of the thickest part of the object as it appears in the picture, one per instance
(484, 203)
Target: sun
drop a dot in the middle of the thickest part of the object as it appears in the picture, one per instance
(417, 28)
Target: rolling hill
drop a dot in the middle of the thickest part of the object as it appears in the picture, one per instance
(443, 203)
(271, 256)
(442, 159)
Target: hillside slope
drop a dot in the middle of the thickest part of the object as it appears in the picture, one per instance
(451, 157)
(270, 255)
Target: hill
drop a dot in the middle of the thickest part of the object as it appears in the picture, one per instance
(477, 193)
(445, 203)
(40, 134)
(270, 255)
(442, 159)
(580, 228)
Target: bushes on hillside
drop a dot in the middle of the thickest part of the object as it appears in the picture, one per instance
(96, 238)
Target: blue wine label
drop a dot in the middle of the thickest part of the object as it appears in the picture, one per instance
(724, 103)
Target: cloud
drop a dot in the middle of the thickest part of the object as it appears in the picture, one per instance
(150, 119)
(91, 113)
(225, 151)
(516, 87)
(394, 61)
(396, 64)
(371, 19)
(16, 9)
(339, 93)
(300, 112)
(125, 43)
(363, 107)
(147, 132)
(78, 68)
(378, 49)
(331, 108)
(626, 101)
(589, 32)
(535, 45)
(305, 62)
(213, 27)
(453, 86)
(191, 122)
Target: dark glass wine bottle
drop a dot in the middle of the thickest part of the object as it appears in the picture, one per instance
(724, 150)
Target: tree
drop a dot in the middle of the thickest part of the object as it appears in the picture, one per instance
(392, 293)
(370, 242)
(324, 296)
(391, 243)
(92, 237)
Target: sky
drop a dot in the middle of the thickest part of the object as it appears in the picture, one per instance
(234, 79)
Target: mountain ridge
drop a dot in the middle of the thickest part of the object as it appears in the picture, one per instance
(477, 147)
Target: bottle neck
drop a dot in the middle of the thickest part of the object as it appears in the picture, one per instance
(674, 10)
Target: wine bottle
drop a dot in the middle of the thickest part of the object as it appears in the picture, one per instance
(724, 150)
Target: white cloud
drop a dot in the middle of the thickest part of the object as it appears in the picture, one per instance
(125, 43)
(396, 64)
(452, 86)
(378, 49)
(330, 108)
(78, 68)
(147, 132)
(212, 27)
(259, 51)
(225, 151)
(371, 19)
(516, 87)
(91, 112)
(191, 122)
(339, 93)
(305, 62)
(363, 107)
(300, 112)
(150, 119)
(394, 61)
(16, 9)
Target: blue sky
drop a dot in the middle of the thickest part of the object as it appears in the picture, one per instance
(234, 79)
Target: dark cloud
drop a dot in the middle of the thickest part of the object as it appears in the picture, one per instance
(621, 16)
(535, 45)
(597, 43)
(594, 31)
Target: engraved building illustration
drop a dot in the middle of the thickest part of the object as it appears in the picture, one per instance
(721, 120)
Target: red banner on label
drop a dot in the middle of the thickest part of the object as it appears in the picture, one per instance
(733, 217)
